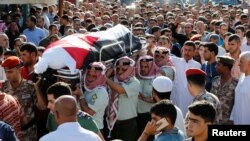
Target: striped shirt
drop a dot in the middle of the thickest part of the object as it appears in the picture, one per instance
(10, 112)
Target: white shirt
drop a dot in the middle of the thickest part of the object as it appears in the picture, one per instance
(2, 74)
(245, 47)
(240, 113)
(221, 51)
(70, 131)
(179, 122)
(180, 94)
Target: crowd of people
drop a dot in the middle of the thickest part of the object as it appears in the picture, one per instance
(193, 71)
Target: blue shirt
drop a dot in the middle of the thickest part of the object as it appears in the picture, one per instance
(35, 35)
(210, 69)
(172, 135)
(6, 132)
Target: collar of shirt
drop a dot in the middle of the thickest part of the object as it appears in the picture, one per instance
(171, 131)
(68, 126)
(199, 95)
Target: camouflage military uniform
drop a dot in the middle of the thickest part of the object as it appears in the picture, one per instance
(225, 94)
(25, 94)
(214, 100)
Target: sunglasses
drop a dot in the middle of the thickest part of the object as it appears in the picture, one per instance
(95, 68)
(147, 60)
(123, 64)
(161, 52)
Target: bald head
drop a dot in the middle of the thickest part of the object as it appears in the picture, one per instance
(66, 106)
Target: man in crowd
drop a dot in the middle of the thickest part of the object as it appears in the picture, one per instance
(53, 29)
(33, 33)
(162, 89)
(29, 57)
(240, 113)
(26, 93)
(95, 98)
(196, 85)
(146, 72)
(201, 114)
(180, 94)
(210, 53)
(164, 110)
(163, 61)
(4, 41)
(234, 44)
(60, 89)
(124, 98)
(223, 86)
(65, 112)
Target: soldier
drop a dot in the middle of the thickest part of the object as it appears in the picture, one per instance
(162, 60)
(196, 85)
(26, 93)
(223, 86)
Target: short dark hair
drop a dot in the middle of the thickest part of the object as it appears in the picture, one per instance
(33, 19)
(240, 27)
(212, 47)
(204, 109)
(165, 108)
(164, 95)
(155, 29)
(9, 53)
(248, 34)
(65, 17)
(190, 43)
(29, 47)
(196, 79)
(58, 89)
(52, 25)
(165, 30)
(234, 37)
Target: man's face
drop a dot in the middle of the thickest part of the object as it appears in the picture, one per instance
(188, 28)
(28, 23)
(244, 65)
(91, 75)
(4, 41)
(160, 20)
(240, 33)
(219, 68)
(196, 126)
(244, 20)
(54, 30)
(188, 52)
(26, 57)
(144, 68)
(233, 46)
(40, 23)
(223, 30)
(207, 54)
(51, 102)
(120, 69)
(12, 74)
(77, 25)
(151, 23)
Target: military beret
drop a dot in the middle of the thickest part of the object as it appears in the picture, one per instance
(194, 71)
(226, 60)
(11, 62)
